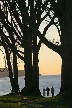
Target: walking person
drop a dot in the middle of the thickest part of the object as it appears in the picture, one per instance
(52, 91)
(47, 89)
(43, 91)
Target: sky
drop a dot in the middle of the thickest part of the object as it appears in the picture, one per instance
(49, 61)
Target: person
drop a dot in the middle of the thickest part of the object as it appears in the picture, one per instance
(52, 91)
(43, 91)
(47, 89)
(19, 92)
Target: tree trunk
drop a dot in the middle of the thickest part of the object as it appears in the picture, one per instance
(15, 68)
(28, 68)
(35, 69)
(66, 39)
(35, 72)
(9, 68)
(28, 61)
(66, 75)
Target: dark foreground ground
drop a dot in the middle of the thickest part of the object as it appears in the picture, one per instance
(15, 101)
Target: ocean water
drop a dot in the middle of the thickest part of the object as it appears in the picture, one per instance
(44, 81)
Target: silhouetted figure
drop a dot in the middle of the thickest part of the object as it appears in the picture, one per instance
(19, 92)
(43, 91)
(52, 91)
(47, 89)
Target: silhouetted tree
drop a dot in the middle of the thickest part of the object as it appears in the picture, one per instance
(62, 11)
(12, 75)
(14, 81)
(28, 19)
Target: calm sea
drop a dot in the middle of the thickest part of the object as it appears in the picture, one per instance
(44, 81)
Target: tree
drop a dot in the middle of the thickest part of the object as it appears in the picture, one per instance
(14, 81)
(28, 18)
(62, 11)
(31, 80)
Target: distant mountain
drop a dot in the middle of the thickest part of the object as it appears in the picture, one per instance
(5, 72)
(21, 73)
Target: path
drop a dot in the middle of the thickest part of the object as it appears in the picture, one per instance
(40, 105)
(46, 106)
(34, 104)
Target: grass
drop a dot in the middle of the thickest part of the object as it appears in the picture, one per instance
(14, 101)
(57, 101)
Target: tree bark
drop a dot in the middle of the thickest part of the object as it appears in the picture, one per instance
(15, 68)
(9, 67)
(35, 72)
(28, 68)
(66, 39)
(28, 60)
(35, 69)
(66, 74)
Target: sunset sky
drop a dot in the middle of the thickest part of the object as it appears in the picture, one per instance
(49, 61)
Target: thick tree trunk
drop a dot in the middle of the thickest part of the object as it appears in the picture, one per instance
(35, 72)
(15, 68)
(66, 39)
(66, 75)
(35, 69)
(28, 61)
(28, 68)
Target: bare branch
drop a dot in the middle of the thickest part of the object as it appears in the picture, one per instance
(47, 43)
